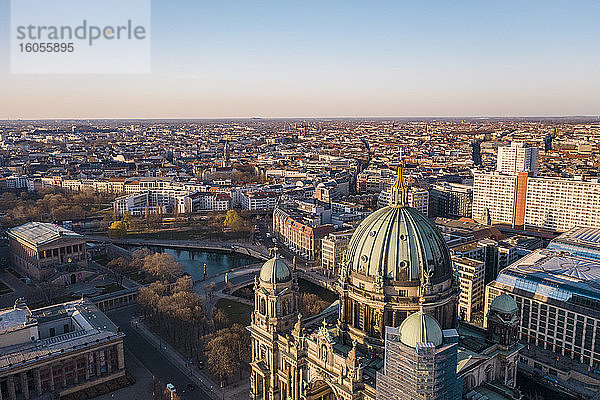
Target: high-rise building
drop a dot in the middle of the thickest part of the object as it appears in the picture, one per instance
(420, 362)
(476, 156)
(518, 157)
(546, 202)
(494, 197)
(471, 279)
(561, 204)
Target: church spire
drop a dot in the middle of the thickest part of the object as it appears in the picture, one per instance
(399, 191)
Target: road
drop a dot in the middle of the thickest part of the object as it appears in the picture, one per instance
(152, 359)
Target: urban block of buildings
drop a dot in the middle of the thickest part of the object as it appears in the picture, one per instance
(558, 297)
(397, 310)
(57, 350)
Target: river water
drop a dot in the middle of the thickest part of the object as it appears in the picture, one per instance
(193, 260)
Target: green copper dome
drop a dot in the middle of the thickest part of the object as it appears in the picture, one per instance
(504, 304)
(420, 328)
(275, 270)
(398, 243)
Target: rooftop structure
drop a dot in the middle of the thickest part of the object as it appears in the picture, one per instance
(38, 234)
(65, 348)
(583, 242)
(555, 276)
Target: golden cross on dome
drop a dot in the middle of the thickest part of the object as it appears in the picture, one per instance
(399, 191)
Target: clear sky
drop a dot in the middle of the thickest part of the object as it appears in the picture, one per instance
(326, 58)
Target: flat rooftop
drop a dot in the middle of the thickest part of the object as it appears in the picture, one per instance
(41, 233)
(93, 327)
(13, 318)
(554, 274)
(581, 237)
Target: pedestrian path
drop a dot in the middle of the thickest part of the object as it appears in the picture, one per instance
(196, 375)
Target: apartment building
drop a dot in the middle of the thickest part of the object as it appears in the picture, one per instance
(417, 198)
(332, 250)
(202, 201)
(300, 231)
(495, 254)
(494, 197)
(471, 279)
(451, 200)
(545, 202)
(258, 200)
(518, 157)
(374, 180)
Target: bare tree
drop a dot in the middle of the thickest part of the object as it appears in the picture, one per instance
(163, 266)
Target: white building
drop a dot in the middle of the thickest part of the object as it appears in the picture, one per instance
(202, 201)
(471, 277)
(417, 198)
(546, 202)
(562, 204)
(332, 249)
(517, 157)
(258, 200)
(494, 197)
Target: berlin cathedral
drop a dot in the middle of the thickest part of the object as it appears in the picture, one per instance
(394, 327)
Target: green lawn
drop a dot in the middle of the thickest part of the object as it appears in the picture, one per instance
(237, 313)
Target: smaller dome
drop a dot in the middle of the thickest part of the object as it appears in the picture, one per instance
(275, 270)
(504, 304)
(420, 328)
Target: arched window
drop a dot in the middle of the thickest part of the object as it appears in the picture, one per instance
(286, 306)
(263, 307)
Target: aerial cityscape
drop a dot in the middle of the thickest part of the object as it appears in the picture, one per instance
(301, 259)
(308, 200)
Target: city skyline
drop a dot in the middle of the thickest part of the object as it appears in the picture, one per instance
(314, 60)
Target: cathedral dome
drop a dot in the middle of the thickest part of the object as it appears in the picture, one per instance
(504, 304)
(275, 270)
(420, 328)
(398, 243)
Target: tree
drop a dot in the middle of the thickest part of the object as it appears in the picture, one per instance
(184, 284)
(221, 355)
(220, 318)
(241, 344)
(126, 219)
(311, 304)
(233, 221)
(119, 265)
(163, 266)
(117, 229)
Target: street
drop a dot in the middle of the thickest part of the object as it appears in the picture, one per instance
(151, 358)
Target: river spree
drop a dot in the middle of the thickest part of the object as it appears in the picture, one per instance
(193, 260)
